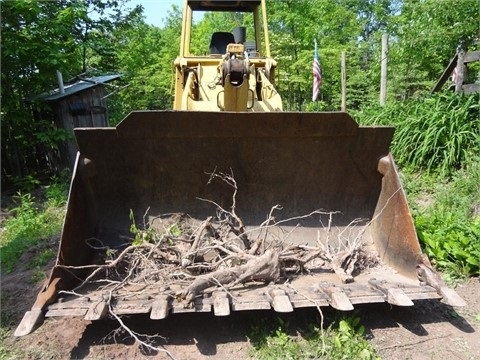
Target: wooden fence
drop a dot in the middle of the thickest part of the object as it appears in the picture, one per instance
(458, 64)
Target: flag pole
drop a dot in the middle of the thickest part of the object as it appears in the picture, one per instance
(317, 76)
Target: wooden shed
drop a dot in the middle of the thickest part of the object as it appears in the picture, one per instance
(79, 104)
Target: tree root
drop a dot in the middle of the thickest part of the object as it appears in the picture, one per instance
(261, 268)
(220, 251)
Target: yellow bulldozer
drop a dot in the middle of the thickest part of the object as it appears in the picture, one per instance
(235, 204)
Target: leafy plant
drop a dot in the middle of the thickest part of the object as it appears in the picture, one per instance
(174, 230)
(141, 236)
(440, 134)
(452, 244)
(449, 228)
(149, 234)
(56, 192)
(25, 183)
(29, 225)
(271, 341)
(344, 339)
(349, 341)
(5, 351)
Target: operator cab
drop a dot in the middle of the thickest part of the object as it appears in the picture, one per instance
(247, 20)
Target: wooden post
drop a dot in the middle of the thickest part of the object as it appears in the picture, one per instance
(460, 71)
(383, 78)
(344, 82)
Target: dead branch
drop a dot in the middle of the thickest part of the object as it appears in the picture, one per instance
(220, 251)
(322, 319)
(206, 224)
(132, 333)
(234, 221)
(114, 263)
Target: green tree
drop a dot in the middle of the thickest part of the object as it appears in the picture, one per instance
(39, 38)
(145, 55)
(294, 26)
(425, 36)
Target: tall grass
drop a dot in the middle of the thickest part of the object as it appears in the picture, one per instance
(437, 133)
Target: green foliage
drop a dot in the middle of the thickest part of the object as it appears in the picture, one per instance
(146, 233)
(449, 229)
(36, 41)
(25, 183)
(5, 352)
(271, 341)
(174, 230)
(425, 37)
(56, 193)
(294, 27)
(29, 225)
(145, 55)
(42, 259)
(40, 37)
(344, 339)
(349, 341)
(140, 235)
(436, 133)
(38, 275)
(440, 134)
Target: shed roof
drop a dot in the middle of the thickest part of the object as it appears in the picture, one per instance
(78, 86)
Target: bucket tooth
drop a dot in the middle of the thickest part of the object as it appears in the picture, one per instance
(450, 297)
(394, 294)
(160, 307)
(431, 278)
(221, 304)
(98, 310)
(30, 321)
(280, 301)
(338, 299)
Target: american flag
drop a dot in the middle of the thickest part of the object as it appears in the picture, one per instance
(455, 74)
(317, 74)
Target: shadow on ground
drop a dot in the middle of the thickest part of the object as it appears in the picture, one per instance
(206, 332)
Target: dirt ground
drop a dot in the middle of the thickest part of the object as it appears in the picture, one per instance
(429, 330)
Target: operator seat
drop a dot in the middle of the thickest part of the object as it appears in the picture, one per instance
(219, 42)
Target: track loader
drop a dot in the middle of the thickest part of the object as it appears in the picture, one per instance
(238, 204)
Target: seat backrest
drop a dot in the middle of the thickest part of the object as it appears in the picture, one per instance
(219, 42)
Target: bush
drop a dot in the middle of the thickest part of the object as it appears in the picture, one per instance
(449, 229)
